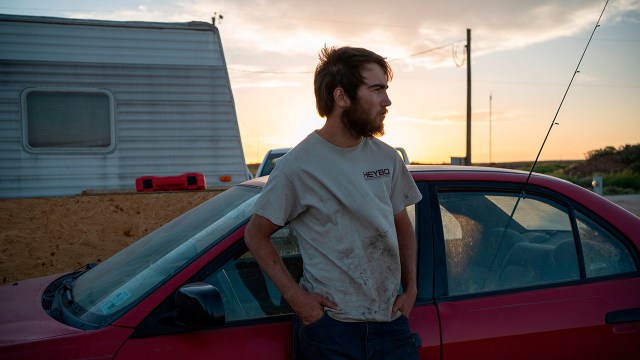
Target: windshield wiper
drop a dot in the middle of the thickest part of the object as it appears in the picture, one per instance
(66, 288)
(66, 285)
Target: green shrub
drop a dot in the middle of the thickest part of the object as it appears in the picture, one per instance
(550, 169)
(626, 180)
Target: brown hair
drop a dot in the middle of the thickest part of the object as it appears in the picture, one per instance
(341, 67)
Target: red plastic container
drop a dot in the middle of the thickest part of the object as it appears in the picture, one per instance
(186, 181)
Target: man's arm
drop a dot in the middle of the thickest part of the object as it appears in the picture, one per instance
(308, 306)
(408, 263)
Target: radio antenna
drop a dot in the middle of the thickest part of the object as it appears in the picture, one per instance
(553, 122)
(523, 192)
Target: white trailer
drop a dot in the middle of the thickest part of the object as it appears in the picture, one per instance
(89, 105)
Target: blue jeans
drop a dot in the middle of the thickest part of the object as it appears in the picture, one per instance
(328, 338)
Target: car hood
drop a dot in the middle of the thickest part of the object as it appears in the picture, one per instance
(22, 318)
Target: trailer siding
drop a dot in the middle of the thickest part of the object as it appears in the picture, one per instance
(173, 105)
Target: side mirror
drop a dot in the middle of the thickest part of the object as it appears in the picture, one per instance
(198, 305)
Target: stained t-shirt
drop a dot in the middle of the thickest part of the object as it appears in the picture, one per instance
(341, 203)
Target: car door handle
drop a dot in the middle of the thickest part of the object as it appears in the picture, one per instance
(623, 316)
(416, 340)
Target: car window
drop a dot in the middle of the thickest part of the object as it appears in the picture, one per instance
(115, 285)
(247, 293)
(486, 251)
(604, 254)
(269, 164)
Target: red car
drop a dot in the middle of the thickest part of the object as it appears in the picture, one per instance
(556, 278)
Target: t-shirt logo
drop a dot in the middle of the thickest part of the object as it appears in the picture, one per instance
(376, 174)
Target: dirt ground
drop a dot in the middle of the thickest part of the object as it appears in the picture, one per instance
(629, 202)
(44, 236)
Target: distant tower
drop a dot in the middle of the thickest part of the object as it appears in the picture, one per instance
(467, 159)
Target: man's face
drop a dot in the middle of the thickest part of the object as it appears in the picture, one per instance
(365, 115)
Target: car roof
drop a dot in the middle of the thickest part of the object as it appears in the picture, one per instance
(279, 151)
(488, 174)
(624, 220)
(458, 169)
(455, 172)
(477, 173)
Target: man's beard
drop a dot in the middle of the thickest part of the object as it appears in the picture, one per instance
(358, 123)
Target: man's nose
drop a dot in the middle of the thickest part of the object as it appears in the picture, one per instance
(386, 101)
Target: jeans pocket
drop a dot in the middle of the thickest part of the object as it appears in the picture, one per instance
(315, 323)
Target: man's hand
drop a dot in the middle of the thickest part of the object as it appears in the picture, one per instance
(408, 263)
(404, 302)
(308, 306)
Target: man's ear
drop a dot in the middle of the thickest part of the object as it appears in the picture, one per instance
(340, 97)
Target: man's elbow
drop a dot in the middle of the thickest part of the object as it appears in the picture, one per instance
(250, 237)
(258, 230)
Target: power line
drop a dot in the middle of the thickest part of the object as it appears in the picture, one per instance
(318, 20)
(427, 51)
(454, 56)
(272, 72)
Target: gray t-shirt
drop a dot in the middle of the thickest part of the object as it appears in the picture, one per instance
(341, 203)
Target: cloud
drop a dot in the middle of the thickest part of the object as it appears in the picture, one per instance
(408, 27)
(243, 84)
(294, 30)
(436, 118)
(446, 118)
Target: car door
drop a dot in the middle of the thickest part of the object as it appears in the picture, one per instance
(423, 320)
(552, 282)
(257, 322)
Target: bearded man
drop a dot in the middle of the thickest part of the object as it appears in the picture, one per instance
(345, 193)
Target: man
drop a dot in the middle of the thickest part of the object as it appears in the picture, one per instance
(345, 193)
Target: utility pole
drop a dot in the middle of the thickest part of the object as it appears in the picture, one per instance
(216, 17)
(467, 160)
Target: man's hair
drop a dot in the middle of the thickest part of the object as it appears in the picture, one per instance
(342, 67)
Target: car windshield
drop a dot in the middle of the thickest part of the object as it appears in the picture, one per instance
(102, 294)
(269, 163)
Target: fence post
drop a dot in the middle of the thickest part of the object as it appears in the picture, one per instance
(597, 184)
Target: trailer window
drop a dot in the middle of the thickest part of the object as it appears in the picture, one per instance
(68, 120)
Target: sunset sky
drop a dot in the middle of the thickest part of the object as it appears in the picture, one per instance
(524, 53)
